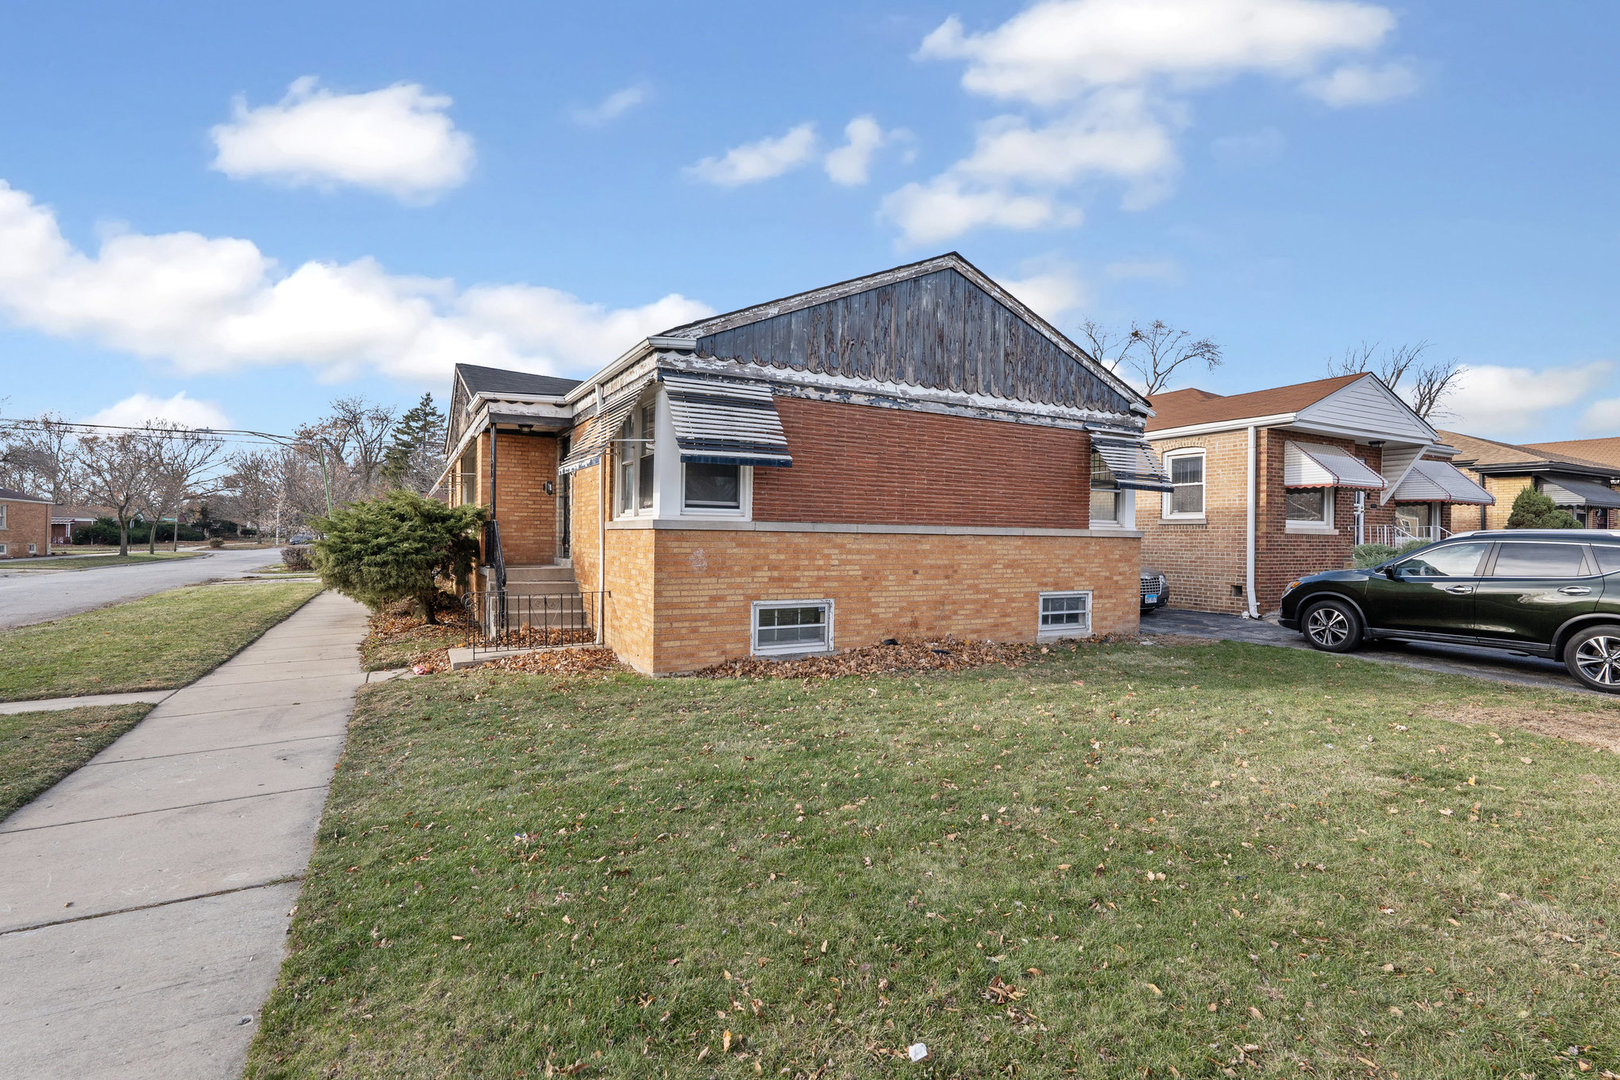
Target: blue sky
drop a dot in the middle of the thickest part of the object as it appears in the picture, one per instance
(193, 203)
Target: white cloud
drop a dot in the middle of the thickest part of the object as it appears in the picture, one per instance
(1360, 84)
(180, 409)
(1602, 418)
(397, 140)
(850, 164)
(1052, 288)
(611, 107)
(944, 208)
(1253, 148)
(208, 304)
(1498, 402)
(1108, 83)
(756, 161)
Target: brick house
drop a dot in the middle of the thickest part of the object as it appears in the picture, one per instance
(1271, 485)
(64, 519)
(912, 452)
(1588, 487)
(25, 525)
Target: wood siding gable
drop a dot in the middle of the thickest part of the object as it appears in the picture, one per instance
(937, 330)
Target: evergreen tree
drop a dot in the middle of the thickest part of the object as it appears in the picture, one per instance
(416, 455)
(1533, 510)
(397, 547)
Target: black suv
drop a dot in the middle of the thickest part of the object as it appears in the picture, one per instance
(1540, 592)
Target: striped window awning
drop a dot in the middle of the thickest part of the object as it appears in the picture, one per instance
(1133, 463)
(1568, 491)
(615, 410)
(1309, 465)
(1440, 481)
(725, 423)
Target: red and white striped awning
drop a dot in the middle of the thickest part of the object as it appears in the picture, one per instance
(1440, 481)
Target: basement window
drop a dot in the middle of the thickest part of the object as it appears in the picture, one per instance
(792, 626)
(1064, 614)
(3, 550)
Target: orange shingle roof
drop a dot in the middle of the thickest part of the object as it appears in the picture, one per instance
(1606, 450)
(1477, 451)
(1183, 408)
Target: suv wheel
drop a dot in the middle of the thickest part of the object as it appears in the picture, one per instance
(1593, 656)
(1333, 626)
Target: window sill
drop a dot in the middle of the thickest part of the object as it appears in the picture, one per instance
(1184, 519)
(1306, 529)
(1066, 632)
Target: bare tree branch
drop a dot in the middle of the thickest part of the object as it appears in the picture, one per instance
(1424, 385)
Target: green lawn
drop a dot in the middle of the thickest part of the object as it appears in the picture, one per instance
(98, 562)
(38, 749)
(165, 640)
(1124, 861)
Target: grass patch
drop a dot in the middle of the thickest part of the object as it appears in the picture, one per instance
(399, 637)
(101, 562)
(38, 749)
(160, 641)
(1122, 860)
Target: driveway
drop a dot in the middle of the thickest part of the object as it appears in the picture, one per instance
(1447, 659)
(31, 596)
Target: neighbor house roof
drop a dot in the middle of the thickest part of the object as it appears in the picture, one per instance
(1489, 455)
(494, 382)
(13, 495)
(1190, 407)
(63, 512)
(1605, 450)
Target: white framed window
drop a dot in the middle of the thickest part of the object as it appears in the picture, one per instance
(635, 452)
(1064, 614)
(3, 550)
(1186, 469)
(710, 490)
(33, 549)
(1308, 509)
(792, 626)
(1105, 494)
(3, 509)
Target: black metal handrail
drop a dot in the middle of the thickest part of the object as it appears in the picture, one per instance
(493, 558)
(541, 619)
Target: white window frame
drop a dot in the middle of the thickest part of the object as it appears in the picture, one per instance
(744, 509)
(795, 648)
(1165, 512)
(1047, 633)
(1309, 525)
(628, 454)
(4, 551)
(33, 549)
(3, 509)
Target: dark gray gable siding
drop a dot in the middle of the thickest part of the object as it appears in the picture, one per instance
(938, 330)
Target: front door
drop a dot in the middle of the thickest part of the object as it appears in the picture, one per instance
(1432, 592)
(1532, 588)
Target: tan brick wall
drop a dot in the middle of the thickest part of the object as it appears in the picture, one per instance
(26, 523)
(527, 515)
(630, 607)
(868, 465)
(882, 585)
(585, 534)
(1202, 560)
(1506, 489)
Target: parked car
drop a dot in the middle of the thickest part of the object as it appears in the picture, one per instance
(301, 538)
(1536, 592)
(1155, 591)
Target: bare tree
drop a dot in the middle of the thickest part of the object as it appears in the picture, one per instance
(1423, 383)
(252, 491)
(1154, 352)
(116, 471)
(180, 462)
(36, 455)
(353, 440)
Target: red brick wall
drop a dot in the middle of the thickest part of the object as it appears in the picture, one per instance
(860, 464)
(26, 523)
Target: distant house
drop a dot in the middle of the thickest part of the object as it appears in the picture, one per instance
(914, 452)
(1605, 451)
(1589, 488)
(64, 519)
(1272, 485)
(25, 525)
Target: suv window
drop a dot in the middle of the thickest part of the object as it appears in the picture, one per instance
(1521, 559)
(1608, 558)
(1454, 560)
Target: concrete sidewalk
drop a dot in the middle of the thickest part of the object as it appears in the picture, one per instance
(145, 899)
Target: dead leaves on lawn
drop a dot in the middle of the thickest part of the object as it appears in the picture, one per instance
(913, 654)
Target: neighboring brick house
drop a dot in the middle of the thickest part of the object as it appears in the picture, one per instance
(913, 452)
(64, 519)
(1272, 485)
(25, 525)
(1605, 451)
(1588, 487)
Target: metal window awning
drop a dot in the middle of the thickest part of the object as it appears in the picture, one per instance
(615, 410)
(1133, 463)
(1440, 481)
(1568, 491)
(725, 423)
(1308, 465)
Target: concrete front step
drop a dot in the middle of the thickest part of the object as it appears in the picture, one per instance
(539, 573)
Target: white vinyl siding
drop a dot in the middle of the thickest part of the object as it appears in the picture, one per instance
(1365, 406)
(1064, 614)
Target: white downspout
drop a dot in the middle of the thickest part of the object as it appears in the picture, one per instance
(601, 528)
(1253, 611)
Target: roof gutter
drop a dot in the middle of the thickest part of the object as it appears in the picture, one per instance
(639, 351)
(1253, 611)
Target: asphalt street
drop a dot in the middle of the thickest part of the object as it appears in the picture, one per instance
(31, 596)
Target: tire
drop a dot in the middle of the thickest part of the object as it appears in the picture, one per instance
(1593, 657)
(1149, 610)
(1332, 626)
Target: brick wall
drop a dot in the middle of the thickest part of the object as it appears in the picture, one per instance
(1506, 489)
(585, 537)
(882, 585)
(528, 516)
(630, 609)
(26, 523)
(869, 465)
(1203, 560)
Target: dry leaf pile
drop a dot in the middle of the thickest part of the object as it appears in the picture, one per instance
(934, 654)
(581, 660)
(535, 637)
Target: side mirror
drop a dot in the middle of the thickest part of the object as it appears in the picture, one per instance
(1389, 572)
